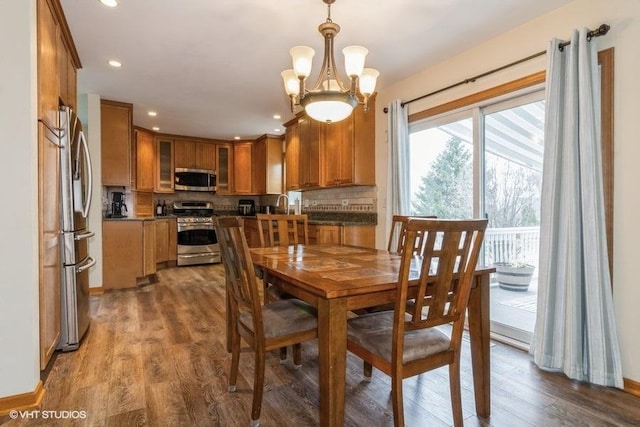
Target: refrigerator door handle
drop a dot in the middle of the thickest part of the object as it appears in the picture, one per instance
(88, 263)
(77, 184)
(53, 133)
(85, 235)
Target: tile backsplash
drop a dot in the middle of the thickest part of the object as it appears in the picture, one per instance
(343, 199)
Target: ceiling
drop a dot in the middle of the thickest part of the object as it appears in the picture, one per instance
(211, 68)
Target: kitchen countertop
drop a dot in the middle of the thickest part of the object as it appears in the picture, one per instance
(138, 218)
(337, 218)
(315, 218)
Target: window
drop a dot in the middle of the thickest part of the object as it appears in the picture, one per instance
(486, 161)
(503, 129)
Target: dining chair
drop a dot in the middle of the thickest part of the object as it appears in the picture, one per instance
(398, 232)
(281, 230)
(264, 327)
(433, 290)
(397, 237)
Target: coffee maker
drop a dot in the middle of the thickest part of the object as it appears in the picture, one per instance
(117, 205)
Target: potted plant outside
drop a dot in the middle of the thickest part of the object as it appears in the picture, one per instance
(514, 276)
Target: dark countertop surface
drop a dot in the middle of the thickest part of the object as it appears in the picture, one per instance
(138, 218)
(315, 218)
(334, 218)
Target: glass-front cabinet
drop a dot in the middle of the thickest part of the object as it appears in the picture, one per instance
(164, 166)
(223, 170)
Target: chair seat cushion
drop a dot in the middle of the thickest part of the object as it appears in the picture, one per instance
(374, 333)
(284, 317)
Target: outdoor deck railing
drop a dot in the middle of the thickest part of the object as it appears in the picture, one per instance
(513, 245)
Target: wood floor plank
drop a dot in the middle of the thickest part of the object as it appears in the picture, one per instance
(156, 356)
(126, 387)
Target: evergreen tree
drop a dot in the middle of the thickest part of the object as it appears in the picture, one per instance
(512, 193)
(446, 191)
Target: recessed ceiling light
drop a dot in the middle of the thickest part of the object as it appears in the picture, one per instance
(110, 3)
(276, 116)
(155, 128)
(276, 130)
(115, 64)
(236, 138)
(152, 113)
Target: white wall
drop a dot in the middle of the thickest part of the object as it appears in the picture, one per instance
(19, 339)
(624, 18)
(89, 114)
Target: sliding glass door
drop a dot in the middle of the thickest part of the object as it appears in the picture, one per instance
(486, 161)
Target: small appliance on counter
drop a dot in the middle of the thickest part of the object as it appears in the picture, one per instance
(117, 205)
(246, 207)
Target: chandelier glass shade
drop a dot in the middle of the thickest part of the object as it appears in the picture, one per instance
(329, 99)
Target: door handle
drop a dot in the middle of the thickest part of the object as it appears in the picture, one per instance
(84, 235)
(89, 262)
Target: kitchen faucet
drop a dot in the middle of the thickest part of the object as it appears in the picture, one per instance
(287, 200)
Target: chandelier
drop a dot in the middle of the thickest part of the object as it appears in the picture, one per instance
(329, 100)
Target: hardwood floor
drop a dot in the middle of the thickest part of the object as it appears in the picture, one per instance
(156, 356)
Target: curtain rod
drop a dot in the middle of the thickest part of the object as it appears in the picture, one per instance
(600, 31)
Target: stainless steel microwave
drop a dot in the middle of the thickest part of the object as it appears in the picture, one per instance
(195, 180)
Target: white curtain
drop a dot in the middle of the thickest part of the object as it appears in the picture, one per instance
(575, 329)
(398, 181)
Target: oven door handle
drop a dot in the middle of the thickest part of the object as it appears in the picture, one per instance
(183, 227)
(208, 254)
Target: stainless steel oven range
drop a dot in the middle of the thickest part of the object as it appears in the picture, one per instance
(197, 241)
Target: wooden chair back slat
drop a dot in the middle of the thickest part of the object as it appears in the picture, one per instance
(448, 256)
(398, 233)
(283, 230)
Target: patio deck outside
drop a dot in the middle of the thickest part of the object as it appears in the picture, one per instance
(517, 309)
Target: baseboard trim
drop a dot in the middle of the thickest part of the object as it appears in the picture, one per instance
(22, 402)
(98, 290)
(632, 387)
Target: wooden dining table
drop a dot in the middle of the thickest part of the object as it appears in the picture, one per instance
(337, 279)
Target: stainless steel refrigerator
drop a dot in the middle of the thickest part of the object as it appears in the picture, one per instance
(75, 172)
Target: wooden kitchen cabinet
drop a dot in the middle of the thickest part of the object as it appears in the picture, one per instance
(48, 75)
(242, 168)
(205, 156)
(338, 150)
(185, 154)
(302, 153)
(224, 168)
(164, 180)
(49, 244)
(364, 144)
(128, 252)
(193, 154)
(57, 61)
(144, 160)
(148, 247)
(116, 129)
(292, 156)
(267, 165)
(122, 253)
(321, 155)
(359, 235)
(66, 73)
(166, 240)
(349, 150)
(311, 134)
(355, 235)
